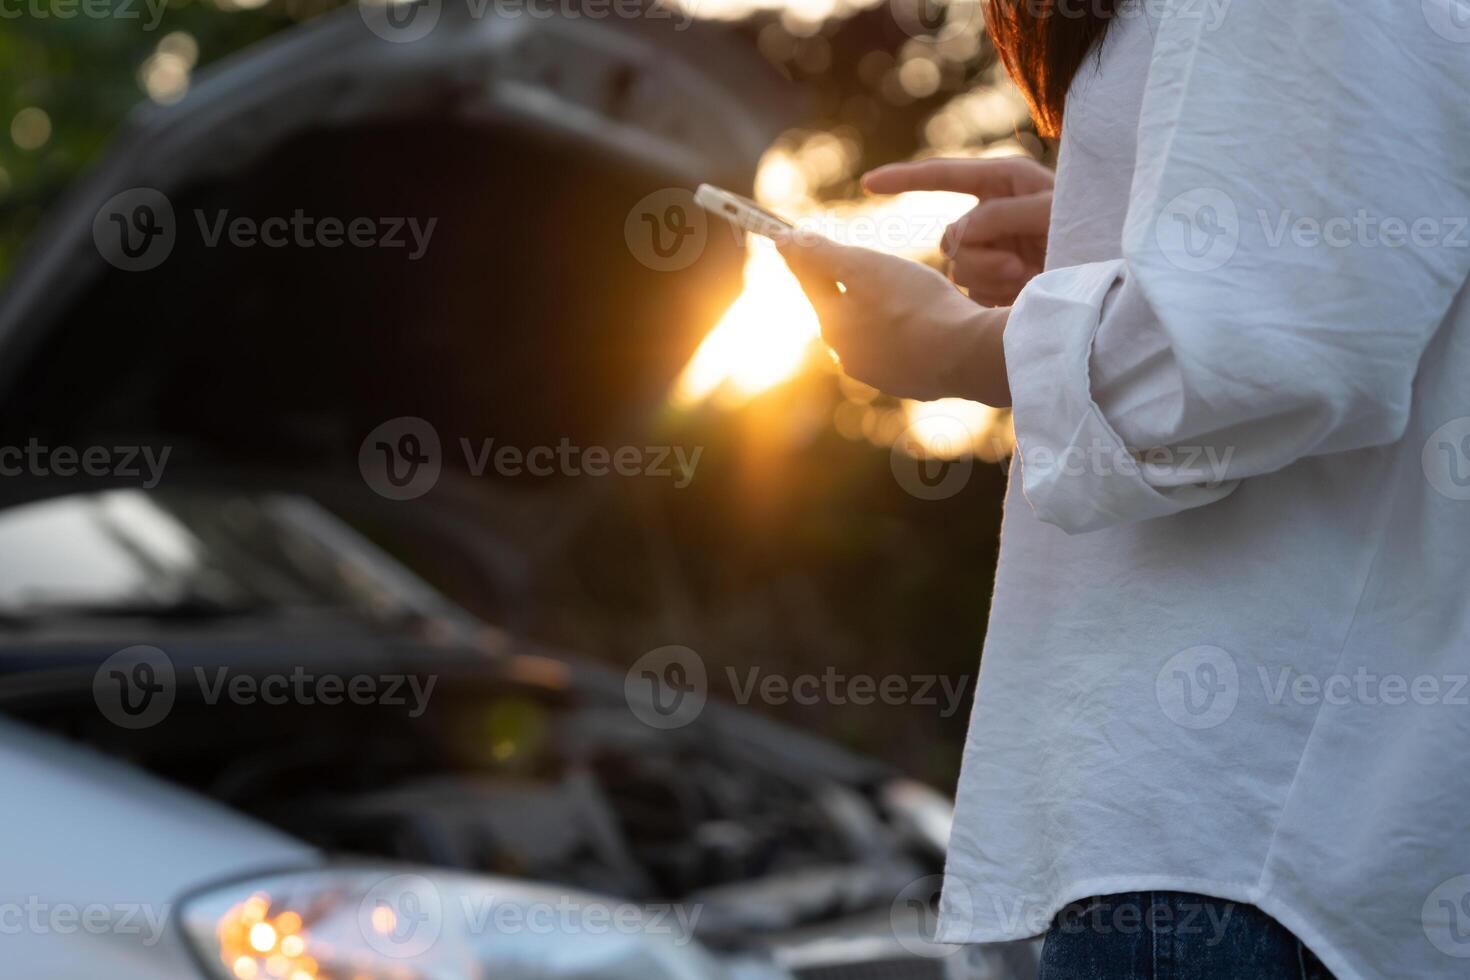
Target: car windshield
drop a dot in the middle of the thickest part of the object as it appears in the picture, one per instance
(127, 552)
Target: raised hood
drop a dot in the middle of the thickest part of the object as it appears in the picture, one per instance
(528, 317)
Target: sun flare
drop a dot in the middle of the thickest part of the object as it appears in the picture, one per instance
(770, 334)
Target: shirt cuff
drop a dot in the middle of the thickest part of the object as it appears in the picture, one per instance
(1076, 472)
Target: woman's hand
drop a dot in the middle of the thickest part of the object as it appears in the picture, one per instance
(900, 326)
(999, 244)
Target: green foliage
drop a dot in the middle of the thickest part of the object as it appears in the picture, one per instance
(79, 61)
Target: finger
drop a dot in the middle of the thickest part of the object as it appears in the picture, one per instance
(996, 298)
(815, 255)
(997, 294)
(981, 178)
(992, 277)
(823, 294)
(979, 268)
(820, 288)
(1005, 217)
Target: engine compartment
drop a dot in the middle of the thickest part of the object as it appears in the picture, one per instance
(514, 780)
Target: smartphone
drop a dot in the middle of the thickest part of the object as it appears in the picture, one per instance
(740, 211)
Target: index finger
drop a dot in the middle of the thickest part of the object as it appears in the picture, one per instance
(980, 178)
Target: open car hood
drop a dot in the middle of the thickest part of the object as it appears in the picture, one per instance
(528, 317)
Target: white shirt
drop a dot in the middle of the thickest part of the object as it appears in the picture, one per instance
(1240, 667)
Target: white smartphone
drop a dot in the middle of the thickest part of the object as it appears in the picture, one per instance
(740, 211)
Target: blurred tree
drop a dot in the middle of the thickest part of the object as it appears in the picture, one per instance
(72, 69)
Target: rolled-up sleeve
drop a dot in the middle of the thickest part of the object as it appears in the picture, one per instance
(1296, 233)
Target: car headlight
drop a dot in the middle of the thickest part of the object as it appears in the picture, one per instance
(387, 924)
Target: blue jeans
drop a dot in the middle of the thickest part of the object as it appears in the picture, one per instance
(1172, 936)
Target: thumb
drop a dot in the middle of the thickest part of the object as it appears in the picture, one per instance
(813, 255)
(818, 266)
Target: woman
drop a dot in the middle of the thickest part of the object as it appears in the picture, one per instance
(1222, 718)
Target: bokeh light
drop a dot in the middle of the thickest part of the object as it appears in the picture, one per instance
(30, 129)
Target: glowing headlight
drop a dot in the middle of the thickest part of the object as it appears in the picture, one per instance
(380, 924)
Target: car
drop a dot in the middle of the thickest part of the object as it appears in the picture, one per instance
(267, 712)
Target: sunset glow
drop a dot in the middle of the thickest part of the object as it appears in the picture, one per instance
(770, 334)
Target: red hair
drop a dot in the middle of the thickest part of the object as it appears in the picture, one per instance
(1042, 44)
